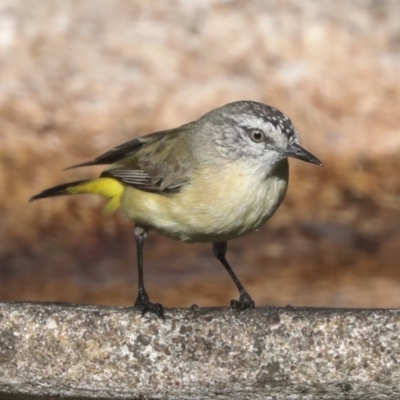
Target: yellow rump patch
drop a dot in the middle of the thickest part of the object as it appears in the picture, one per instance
(106, 187)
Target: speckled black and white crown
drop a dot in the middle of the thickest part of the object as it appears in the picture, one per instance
(268, 114)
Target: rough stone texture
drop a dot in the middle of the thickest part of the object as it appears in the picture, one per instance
(74, 351)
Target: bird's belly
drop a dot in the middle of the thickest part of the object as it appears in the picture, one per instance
(213, 210)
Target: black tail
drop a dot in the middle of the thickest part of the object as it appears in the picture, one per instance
(58, 190)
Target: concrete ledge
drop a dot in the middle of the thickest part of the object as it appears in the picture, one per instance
(75, 351)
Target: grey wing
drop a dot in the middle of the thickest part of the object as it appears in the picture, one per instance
(160, 162)
(164, 165)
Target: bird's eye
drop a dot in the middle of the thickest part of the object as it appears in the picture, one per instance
(256, 135)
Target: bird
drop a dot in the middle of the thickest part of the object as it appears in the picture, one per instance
(211, 180)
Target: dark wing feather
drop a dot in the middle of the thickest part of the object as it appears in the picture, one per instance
(161, 162)
(136, 178)
(121, 151)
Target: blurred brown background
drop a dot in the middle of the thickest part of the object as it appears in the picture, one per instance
(79, 77)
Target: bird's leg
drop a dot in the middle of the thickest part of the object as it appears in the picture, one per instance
(143, 302)
(245, 301)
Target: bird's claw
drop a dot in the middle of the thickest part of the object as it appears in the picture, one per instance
(146, 306)
(244, 302)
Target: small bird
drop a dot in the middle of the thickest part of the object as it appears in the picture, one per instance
(210, 180)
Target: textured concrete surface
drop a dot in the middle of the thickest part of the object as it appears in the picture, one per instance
(51, 350)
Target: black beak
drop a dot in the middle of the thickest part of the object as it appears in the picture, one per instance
(296, 151)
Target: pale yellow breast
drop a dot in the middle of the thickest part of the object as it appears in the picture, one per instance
(219, 204)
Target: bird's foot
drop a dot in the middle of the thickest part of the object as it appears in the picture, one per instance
(144, 304)
(244, 302)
